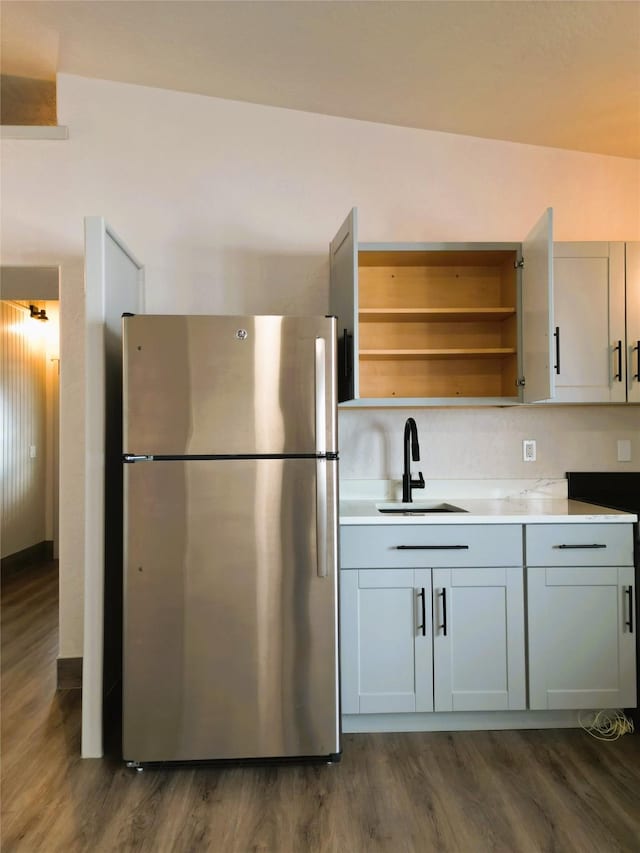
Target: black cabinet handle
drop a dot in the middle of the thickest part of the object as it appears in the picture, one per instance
(421, 595)
(432, 547)
(556, 335)
(618, 349)
(637, 349)
(345, 352)
(444, 611)
(567, 547)
(629, 622)
(345, 368)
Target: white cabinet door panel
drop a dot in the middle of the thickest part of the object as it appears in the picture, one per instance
(584, 356)
(581, 647)
(479, 648)
(343, 299)
(632, 251)
(386, 654)
(537, 311)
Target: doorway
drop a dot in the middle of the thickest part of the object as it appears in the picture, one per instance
(29, 389)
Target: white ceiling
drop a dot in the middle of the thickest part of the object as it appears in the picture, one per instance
(564, 74)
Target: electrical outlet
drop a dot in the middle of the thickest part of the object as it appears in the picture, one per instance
(529, 450)
(32, 451)
(624, 450)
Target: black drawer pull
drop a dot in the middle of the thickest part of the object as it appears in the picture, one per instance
(567, 547)
(421, 595)
(432, 547)
(629, 622)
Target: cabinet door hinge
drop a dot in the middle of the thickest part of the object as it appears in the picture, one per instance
(520, 382)
(519, 264)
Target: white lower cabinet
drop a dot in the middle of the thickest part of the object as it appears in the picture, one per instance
(386, 653)
(478, 639)
(424, 640)
(580, 617)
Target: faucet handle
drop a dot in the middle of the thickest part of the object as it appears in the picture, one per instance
(419, 483)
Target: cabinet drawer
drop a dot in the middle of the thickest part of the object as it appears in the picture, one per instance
(579, 544)
(430, 546)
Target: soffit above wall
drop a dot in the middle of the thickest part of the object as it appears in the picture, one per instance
(561, 74)
(29, 283)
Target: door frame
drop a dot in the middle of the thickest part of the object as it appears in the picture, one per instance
(103, 303)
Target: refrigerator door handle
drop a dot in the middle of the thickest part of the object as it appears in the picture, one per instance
(321, 516)
(321, 398)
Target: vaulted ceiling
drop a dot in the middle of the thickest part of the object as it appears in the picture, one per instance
(563, 74)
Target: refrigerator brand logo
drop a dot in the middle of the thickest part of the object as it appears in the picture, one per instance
(242, 334)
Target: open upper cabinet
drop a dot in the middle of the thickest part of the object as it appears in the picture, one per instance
(443, 323)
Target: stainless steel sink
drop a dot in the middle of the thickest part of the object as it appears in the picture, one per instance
(418, 507)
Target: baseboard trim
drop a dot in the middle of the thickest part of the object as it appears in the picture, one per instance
(33, 554)
(69, 671)
(445, 721)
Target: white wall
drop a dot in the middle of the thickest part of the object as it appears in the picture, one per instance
(232, 206)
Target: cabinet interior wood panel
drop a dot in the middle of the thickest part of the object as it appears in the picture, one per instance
(437, 286)
(438, 335)
(439, 377)
(440, 307)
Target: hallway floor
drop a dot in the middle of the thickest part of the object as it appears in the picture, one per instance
(466, 792)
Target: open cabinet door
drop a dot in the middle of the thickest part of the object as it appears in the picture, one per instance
(114, 284)
(343, 298)
(537, 312)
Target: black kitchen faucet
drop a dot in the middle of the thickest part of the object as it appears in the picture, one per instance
(410, 438)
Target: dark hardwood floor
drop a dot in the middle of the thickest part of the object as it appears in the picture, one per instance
(467, 792)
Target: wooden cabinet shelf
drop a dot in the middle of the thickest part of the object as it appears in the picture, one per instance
(495, 352)
(433, 315)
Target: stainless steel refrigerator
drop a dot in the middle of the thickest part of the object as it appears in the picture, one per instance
(230, 565)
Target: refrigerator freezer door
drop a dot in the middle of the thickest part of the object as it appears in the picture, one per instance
(201, 385)
(230, 631)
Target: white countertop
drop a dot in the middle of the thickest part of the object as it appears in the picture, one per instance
(485, 502)
(490, 511)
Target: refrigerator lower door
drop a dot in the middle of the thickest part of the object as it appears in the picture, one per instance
(230, 610)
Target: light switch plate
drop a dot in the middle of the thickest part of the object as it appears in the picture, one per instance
(624, 450)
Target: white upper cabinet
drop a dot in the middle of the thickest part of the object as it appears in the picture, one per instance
(443, 323)
(632, 283)
(597, 322)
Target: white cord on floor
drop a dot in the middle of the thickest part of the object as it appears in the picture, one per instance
(607, 725)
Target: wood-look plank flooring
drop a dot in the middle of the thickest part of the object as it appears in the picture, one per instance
(466, 792)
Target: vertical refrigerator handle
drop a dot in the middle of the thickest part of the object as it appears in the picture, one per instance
(322, 530)
(321, 397)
